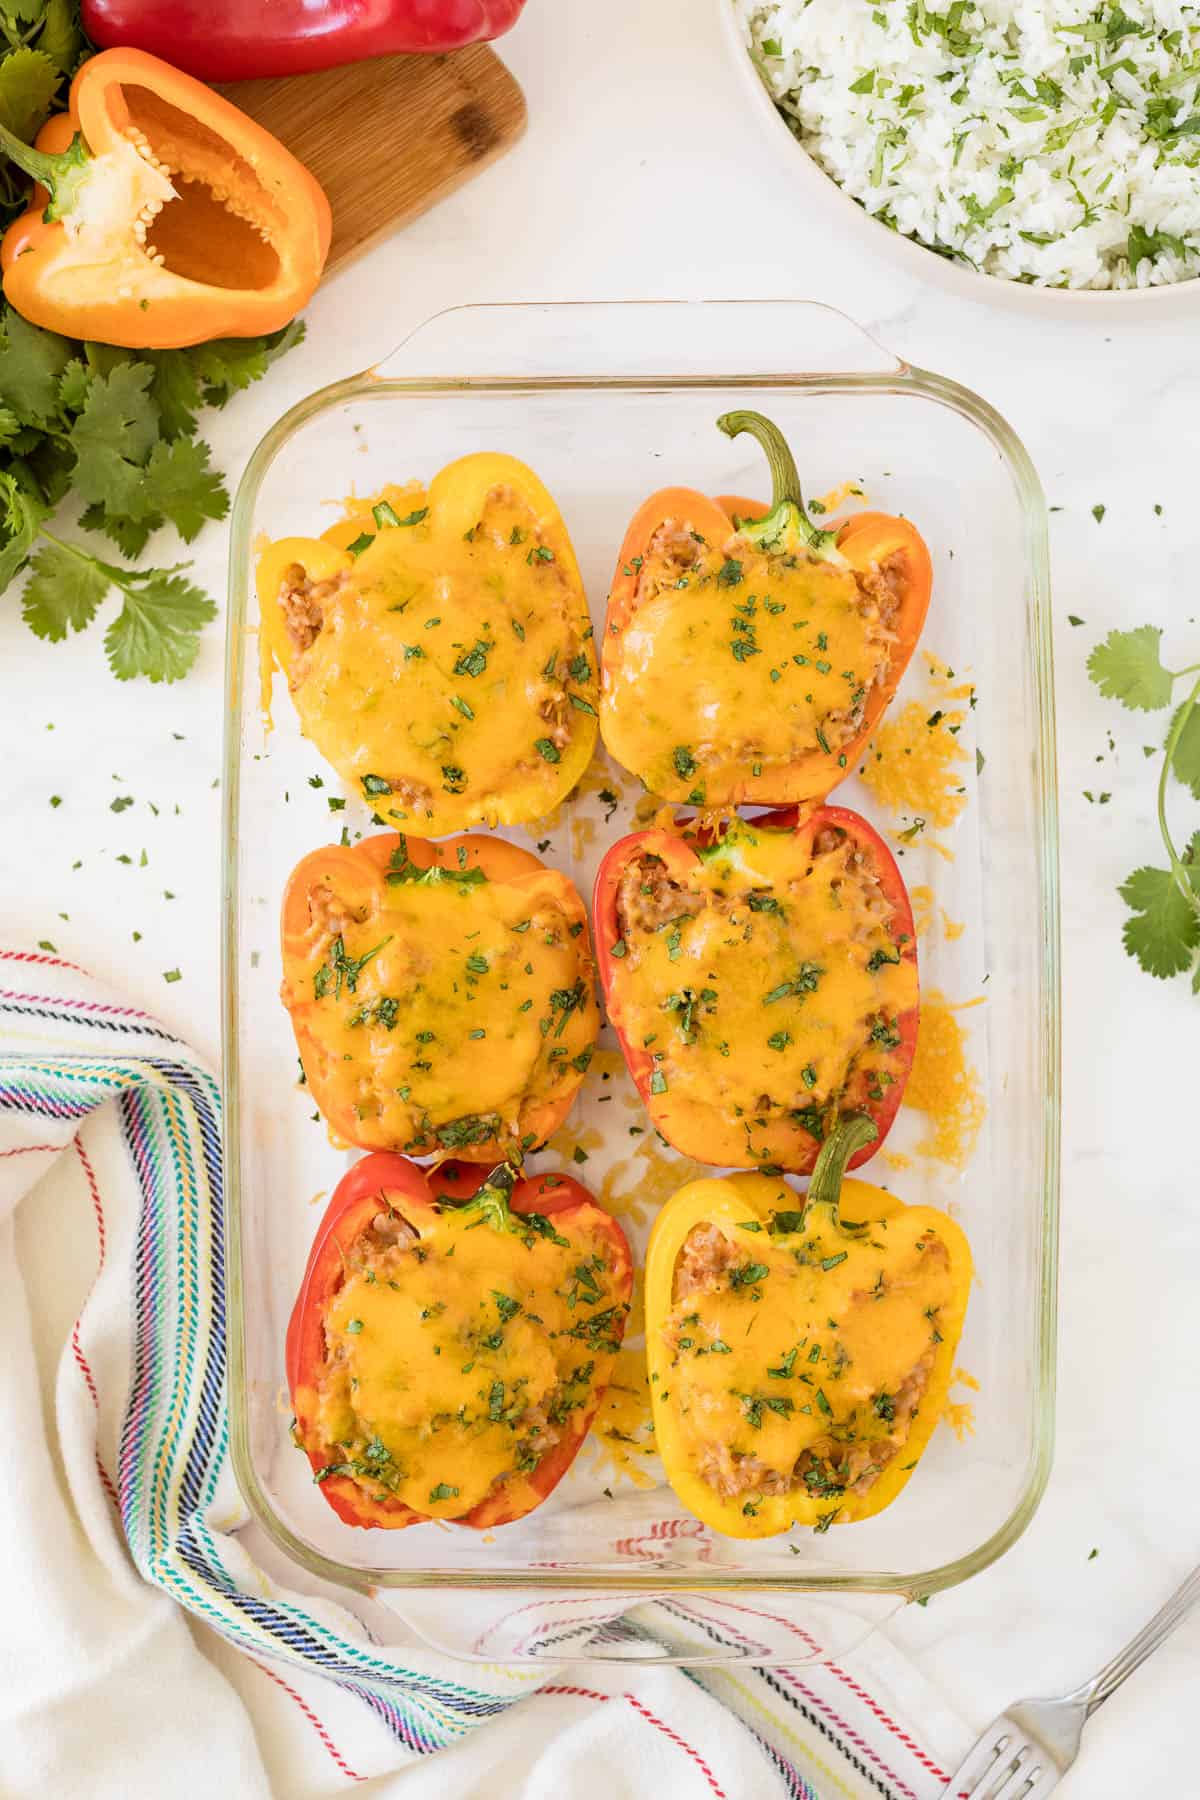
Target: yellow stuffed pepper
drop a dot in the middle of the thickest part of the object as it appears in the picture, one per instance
(800, 1350)
(438, 649)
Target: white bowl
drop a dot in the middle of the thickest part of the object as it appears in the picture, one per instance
(846, 214)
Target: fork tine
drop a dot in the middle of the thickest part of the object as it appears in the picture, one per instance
(980, 1765)
(1004, 1765)
(1018, 1777)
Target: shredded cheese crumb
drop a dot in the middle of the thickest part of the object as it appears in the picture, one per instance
(960, 1414)
(913, 762)
(623, 1429)
(945, 1086)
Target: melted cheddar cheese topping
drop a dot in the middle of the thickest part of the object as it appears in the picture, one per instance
(434, 1009)
(798, 1354)
(456, 1361)
(737, 662)
(450, 681)
(767, 983)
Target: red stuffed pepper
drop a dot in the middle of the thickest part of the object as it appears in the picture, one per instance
(451, 1341)
(762, 982)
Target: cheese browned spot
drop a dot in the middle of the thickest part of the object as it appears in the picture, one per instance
(736, 661)
(760, 987)
(457, 1360)
(790, 1370)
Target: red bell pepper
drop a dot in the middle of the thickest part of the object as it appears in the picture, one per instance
(760, 1035)
(551, 1234)
(235, 40)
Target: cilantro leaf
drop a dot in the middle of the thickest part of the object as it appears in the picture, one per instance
(225, 365)
(180, 484)
(1164, 932)
(156, 633)
(23, 516)
(60, 38)
(1186, 760)
(73, 386)
(28, 83)
(31, 362)
(129, 535)
(112, 437)
(1127, 667)
(175, 390)
(63, 591)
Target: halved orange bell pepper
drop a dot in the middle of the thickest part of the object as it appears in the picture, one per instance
(438, 648)
(800, 1348)
(748, 654)
(762, 981)
(446, 1354)
(163, 216)
(441, 994)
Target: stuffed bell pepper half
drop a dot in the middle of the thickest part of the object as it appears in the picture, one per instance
(762, 980)
(800, 1348)
(441, 994)
(438, 649)
(451, 1340)
(748, 653)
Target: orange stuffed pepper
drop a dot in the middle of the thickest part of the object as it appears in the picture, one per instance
(447, 1353)
(747, 653)
(441, 994)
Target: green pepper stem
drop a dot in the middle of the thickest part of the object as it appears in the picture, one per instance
(787, 500)
(59, 174)
(491, 1201)
(851, 1134)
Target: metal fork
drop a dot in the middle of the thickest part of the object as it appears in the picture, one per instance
(1029, 1748)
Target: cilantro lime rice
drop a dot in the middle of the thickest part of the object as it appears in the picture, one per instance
(1045, 141)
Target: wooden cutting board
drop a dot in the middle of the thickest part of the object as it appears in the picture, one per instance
(388, 138)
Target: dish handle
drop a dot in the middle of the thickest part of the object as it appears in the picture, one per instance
(636, 340)
(688, 1628)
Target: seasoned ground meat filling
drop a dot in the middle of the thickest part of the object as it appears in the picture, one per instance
(303, 602)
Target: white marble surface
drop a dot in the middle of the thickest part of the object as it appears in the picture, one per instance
(641, 177)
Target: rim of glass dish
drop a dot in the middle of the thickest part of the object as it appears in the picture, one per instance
(904, 380)
(1105, 305)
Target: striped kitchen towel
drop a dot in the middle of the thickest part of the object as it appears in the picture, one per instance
(122, 1501)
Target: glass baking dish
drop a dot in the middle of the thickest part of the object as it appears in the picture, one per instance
(608, 402)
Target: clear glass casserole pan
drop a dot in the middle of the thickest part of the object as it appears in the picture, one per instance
(606, 403)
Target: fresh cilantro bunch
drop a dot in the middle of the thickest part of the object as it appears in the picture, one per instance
(41, 46)
(117, 430)
(114, 429)
(1164, 930)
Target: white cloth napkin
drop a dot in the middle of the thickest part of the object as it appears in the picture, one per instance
(144, 1651)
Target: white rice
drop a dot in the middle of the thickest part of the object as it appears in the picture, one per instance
(1046, 141)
